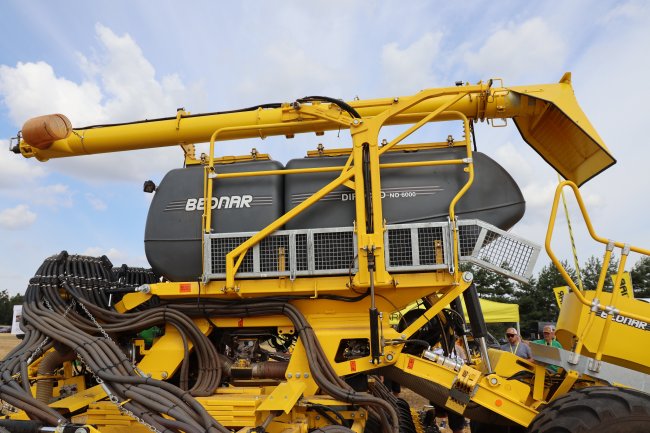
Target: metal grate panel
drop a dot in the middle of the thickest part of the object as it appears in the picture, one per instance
(428, 238)
(302, 260)
(507, 253)
(409, 248)
(498, 250)
(222, 246)
(467, 237)
(400, 248)
(333, 250)
(274, 254)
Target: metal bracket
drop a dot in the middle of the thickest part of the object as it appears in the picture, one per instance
(594, 305)
(15, 148)
(463, 389)
(593, 365)
(574, 358)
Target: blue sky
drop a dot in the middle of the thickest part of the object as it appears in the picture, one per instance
(115, 61)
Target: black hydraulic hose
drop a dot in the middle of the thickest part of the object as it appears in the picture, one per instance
(367, 189)
(475, 312)
(473, 133)
(89, 353)
(242, 110)
(83, 278)
(322, 371)
(343, 105)
(13, 394)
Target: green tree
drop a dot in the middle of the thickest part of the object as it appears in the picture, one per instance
(491, 285)
(591, 272)
(7, 306)
(640, 275)
(6, 310)
(537, 300)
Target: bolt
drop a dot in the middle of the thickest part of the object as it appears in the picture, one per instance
(468, 276)
(389, 357)
(317, 417)
(403, 336)
(494, 381)
(306, 375)
(298, 375)
(81, 430)
(355, 122)
(289, 375)
(164, 375)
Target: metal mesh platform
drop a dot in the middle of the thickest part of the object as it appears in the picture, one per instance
(487, 246)
(409, 248)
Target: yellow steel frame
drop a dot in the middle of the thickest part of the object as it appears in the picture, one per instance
(529, 106)
(595, 305)
(365, 133)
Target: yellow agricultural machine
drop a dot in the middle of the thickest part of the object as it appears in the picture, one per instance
(266, 308)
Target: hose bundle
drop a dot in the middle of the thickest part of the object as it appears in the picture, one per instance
(67, 306)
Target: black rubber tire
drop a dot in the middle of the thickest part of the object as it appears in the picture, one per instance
(597, 409)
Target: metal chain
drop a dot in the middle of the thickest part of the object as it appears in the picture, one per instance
(47, 339)
(112, 397)
(115, 399)
(96, 323)
(107, 337)
(7, 408)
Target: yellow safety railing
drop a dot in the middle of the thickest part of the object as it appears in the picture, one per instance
(235, 257)
(595, 305)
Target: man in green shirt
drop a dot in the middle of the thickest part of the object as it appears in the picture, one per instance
(549, 340)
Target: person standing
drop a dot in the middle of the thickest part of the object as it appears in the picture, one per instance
(516, 346)
(549, 337)
(549, 340)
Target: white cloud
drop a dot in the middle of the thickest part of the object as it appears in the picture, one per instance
(53, 196)
(33, 89)
(406, 70)
(516, 52)
(629, 10)
(120, 85)
(95, 202)
(19, 217)
(129, 80)
(116, 256)
(512, 158)
(289, 71)
(16, 171)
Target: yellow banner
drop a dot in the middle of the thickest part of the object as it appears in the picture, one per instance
(560, 292)
(626, 285)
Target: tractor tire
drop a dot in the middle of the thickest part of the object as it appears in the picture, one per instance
(595, 410)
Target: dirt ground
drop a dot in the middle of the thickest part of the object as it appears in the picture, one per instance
(417, 402)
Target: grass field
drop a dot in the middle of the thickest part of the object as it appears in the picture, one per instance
(7, 342)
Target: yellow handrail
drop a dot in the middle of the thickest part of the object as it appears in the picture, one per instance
(595, 305)
(235, 257)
